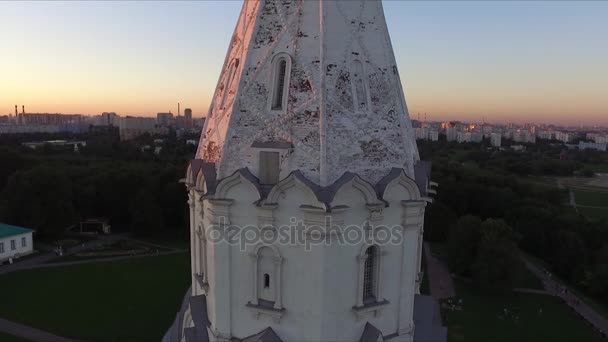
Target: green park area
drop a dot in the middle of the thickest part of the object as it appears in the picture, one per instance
(129, 300)
(10, 338)
(592, 204)
(473, 316)
(592, 198)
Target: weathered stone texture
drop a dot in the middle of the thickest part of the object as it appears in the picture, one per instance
(345, 105)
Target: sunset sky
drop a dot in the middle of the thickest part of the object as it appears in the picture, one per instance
(502, 60)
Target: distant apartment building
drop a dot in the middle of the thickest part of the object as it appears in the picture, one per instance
(451, 132)
(496, 139)
(523, 136)
(591, 146)
(109, 119)
(188, 117)
(16, 129)
(422, 133)
(564, 137)
(601, 139)
(131, 127)
(487, 130)
(547, 135)
(164, 119)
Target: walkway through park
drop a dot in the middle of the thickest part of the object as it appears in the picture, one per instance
(556, 288)
(29, 333)
(35, 261)
(440, 280)
(43, 260)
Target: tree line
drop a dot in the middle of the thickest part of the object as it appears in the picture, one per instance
(488, 208)
(52, 188)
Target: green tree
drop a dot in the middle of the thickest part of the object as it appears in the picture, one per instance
(462, 244)
(497, 266)
(40, 198)
(569, 254)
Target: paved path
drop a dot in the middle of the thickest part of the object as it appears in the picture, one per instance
(440, 280)
(556, 288)
(43, 258)
(29, 333)
(108, 259)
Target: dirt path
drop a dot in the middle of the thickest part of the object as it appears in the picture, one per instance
(440, 280)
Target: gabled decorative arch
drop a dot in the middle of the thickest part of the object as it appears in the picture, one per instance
(406, 182)
(200, 183)
(230, 182)
(364, 187)
(189, 177)
(289, 182)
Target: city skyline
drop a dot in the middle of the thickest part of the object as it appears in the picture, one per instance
(502, 61)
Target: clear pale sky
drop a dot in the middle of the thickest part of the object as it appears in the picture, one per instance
(502, 60)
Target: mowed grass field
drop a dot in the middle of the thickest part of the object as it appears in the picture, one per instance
(591, 198)
(129, 300)
(593, 204)
(10, 338)
(528, 317)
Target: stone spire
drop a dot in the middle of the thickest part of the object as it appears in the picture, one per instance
(316, 81)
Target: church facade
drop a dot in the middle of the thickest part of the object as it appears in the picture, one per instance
(307, 195)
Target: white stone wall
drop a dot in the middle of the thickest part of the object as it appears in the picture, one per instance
(19, 249)
(320, 287)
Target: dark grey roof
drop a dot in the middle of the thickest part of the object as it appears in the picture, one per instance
(326, 194)
(175, 331)
(281, 144)
(190, 334)
(370, 333)
(428, 320)
(198, 309)
(383, 182)
(422, 175)
(266, 335)
(208, 169)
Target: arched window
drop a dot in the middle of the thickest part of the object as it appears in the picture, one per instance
(369, 287)
(228, 81)
(281, 69)
(359, 86)
(369, 276)
(266, 281)
(265, 270)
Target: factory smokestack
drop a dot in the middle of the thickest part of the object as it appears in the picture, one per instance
(16, 113)
(22, 109)
(178, 112)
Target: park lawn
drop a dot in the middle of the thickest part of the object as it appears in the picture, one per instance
(591, 198)
(482, 318)
(128, 300)
(594, 213)
(10, 338)
(529, 280)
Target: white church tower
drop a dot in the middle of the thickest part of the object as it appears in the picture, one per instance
(307, 195)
